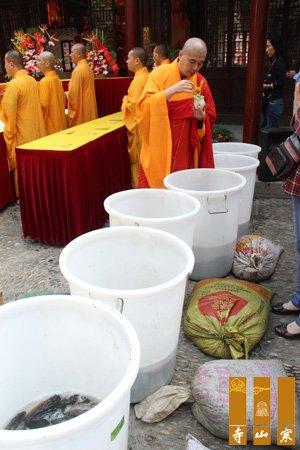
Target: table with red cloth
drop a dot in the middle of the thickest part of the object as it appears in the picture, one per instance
(65, 177)
(109, 93)
(7, 190)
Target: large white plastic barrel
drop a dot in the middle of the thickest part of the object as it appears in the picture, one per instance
(165, 210)
(63, 344)
(144, 272)
(237, 148)
(246, 166)
(219, 193)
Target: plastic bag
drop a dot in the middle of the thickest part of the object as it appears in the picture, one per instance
(255, 258)
(162, 403)
(226, 318)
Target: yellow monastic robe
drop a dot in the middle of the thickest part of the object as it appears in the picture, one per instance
(165, 61)
(131, 121)
(53, 100)
(82, 103)
(168, 128)
(2, 89)
(21, 114)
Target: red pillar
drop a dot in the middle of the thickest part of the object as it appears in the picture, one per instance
(130, 24)
(255, 72)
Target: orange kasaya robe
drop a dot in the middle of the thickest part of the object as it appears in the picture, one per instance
(169, 130)
(82, 103)
(165, 61)
(52, 99)
(131, 121)
(21, 114)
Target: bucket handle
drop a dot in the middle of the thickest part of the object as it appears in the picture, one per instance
(217, 205)
(121, 306)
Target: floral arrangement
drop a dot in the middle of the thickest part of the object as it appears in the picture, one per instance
(30, 44)
(100, 59)
(221, 134)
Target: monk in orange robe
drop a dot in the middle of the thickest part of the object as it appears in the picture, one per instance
(21, 108)
(82, 105)
(52, 95)
(176, 135)
(160, 55)
(136, 63)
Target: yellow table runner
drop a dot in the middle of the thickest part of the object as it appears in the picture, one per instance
(73, 138)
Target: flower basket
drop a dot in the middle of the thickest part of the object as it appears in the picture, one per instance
(30, 44)
(100, 59)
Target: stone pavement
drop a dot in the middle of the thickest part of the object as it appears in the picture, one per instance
(29, 267)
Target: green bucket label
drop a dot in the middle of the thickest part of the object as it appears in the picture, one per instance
(117, 430)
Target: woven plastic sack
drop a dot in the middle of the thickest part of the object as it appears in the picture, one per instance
(226, 318)
(255, 258)
(210, 391)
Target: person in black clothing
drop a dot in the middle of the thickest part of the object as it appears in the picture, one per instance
(272, 105)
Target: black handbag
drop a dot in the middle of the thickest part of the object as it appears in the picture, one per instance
(284, 158)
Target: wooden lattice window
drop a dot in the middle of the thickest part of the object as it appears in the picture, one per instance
(227, 29)
(160, 21)
(102, 13)
(227, 32)
(240, 34)
(216, 33)
(284, 20)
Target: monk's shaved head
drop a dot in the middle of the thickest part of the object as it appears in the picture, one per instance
(192, 56)
(14, 57)
(194, 44)
(77, 53)
(160, 53)
(161, 49)
(47, 57)
(78, 48)
(140, 53)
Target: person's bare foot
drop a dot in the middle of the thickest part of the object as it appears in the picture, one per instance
(293, 328)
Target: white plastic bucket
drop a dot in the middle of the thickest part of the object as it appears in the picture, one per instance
(216, 227)
(174, 212)
(246, 166)
(62, 344)
(237, 148)
(144, 271)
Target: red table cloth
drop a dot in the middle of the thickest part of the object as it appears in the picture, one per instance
(7, 190)
(62, 193)
(109, 93)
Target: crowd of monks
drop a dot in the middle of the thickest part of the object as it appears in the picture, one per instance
(31, 109)
(166, 131)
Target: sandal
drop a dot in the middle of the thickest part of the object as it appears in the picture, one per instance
(279, 309)
(282, 331)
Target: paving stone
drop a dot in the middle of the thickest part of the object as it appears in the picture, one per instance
(30, 267)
